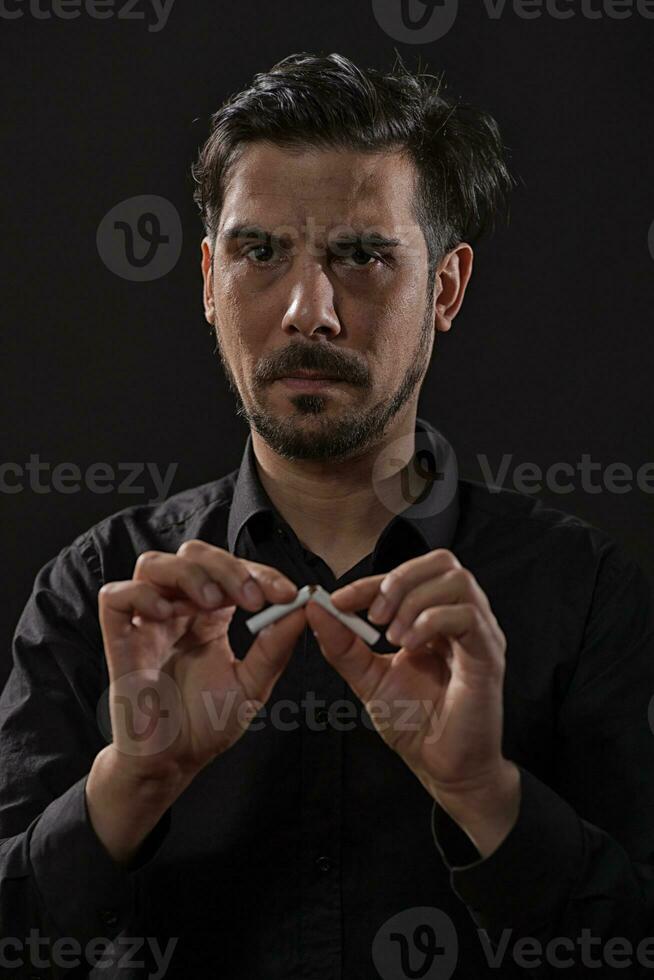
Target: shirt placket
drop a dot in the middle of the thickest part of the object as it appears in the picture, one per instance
(321, 776)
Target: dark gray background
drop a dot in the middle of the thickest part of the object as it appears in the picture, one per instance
(550, 357)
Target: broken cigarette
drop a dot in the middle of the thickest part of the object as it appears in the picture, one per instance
(270, 615)
(321, 596)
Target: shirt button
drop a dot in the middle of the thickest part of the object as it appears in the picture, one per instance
(323, 863)
(108, 917)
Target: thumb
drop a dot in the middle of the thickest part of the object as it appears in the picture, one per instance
(346, 652)
(269, 654)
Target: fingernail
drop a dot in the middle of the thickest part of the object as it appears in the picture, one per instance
(211, 592)
(378, 608)
(394, 631)
(252, 592)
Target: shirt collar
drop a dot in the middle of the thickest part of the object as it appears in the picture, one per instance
(434, 514)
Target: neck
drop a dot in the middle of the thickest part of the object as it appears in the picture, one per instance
(336, 509)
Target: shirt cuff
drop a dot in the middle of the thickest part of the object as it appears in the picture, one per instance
(85, 892)
(532, 872)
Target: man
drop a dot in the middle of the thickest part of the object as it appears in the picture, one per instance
(472, 795)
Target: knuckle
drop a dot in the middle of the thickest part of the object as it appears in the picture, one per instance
(257, 569)
(447, 558)
(474, 616)
(116, 588)
(393, 579)
(145, 558)
(426, 617)
(192, 546)
(411, 605)
(466, 578)
(107, 590)
(499, 632)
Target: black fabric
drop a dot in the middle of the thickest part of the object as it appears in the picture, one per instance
(289, 854)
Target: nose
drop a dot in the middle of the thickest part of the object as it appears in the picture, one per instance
(311, 303)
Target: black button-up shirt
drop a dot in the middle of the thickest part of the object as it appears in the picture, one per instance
(309, 850)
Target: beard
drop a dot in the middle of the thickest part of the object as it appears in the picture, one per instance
(352, 430)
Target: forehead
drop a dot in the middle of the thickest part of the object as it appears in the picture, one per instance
(331, 186)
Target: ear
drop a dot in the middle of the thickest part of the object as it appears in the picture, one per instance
(452, 277)
(207, 276)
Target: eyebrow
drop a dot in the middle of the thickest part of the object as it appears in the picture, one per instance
(254, 232)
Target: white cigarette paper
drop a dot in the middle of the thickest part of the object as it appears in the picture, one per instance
(321, 596)
(351, 620)
(270, 615)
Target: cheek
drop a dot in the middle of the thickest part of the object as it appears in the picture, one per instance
(235, 317)
(394, 332)
(228, 297)
(242, 321)
(244, 309)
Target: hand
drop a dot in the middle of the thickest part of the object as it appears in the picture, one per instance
(437, 701)
(178, 695)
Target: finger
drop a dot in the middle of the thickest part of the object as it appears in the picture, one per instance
(381, 595)
(269, 654)
(184, 607)
(275, 586)
(464, 623)
(357, 595)
(437, 644)
(181, 577)
(407, 576)
(346, 652)
(119, 602)
(456, 586)
(232, 573)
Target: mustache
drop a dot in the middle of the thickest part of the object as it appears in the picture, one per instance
(298, 357)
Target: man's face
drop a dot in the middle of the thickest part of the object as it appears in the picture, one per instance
(314, 298)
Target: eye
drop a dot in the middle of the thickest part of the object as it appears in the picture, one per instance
(263, 253)
(360, 253)
(261, 247)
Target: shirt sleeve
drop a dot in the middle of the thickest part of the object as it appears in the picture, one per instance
(575, 875)
(55, 874)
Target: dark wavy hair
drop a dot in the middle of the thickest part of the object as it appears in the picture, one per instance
(326, 101)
